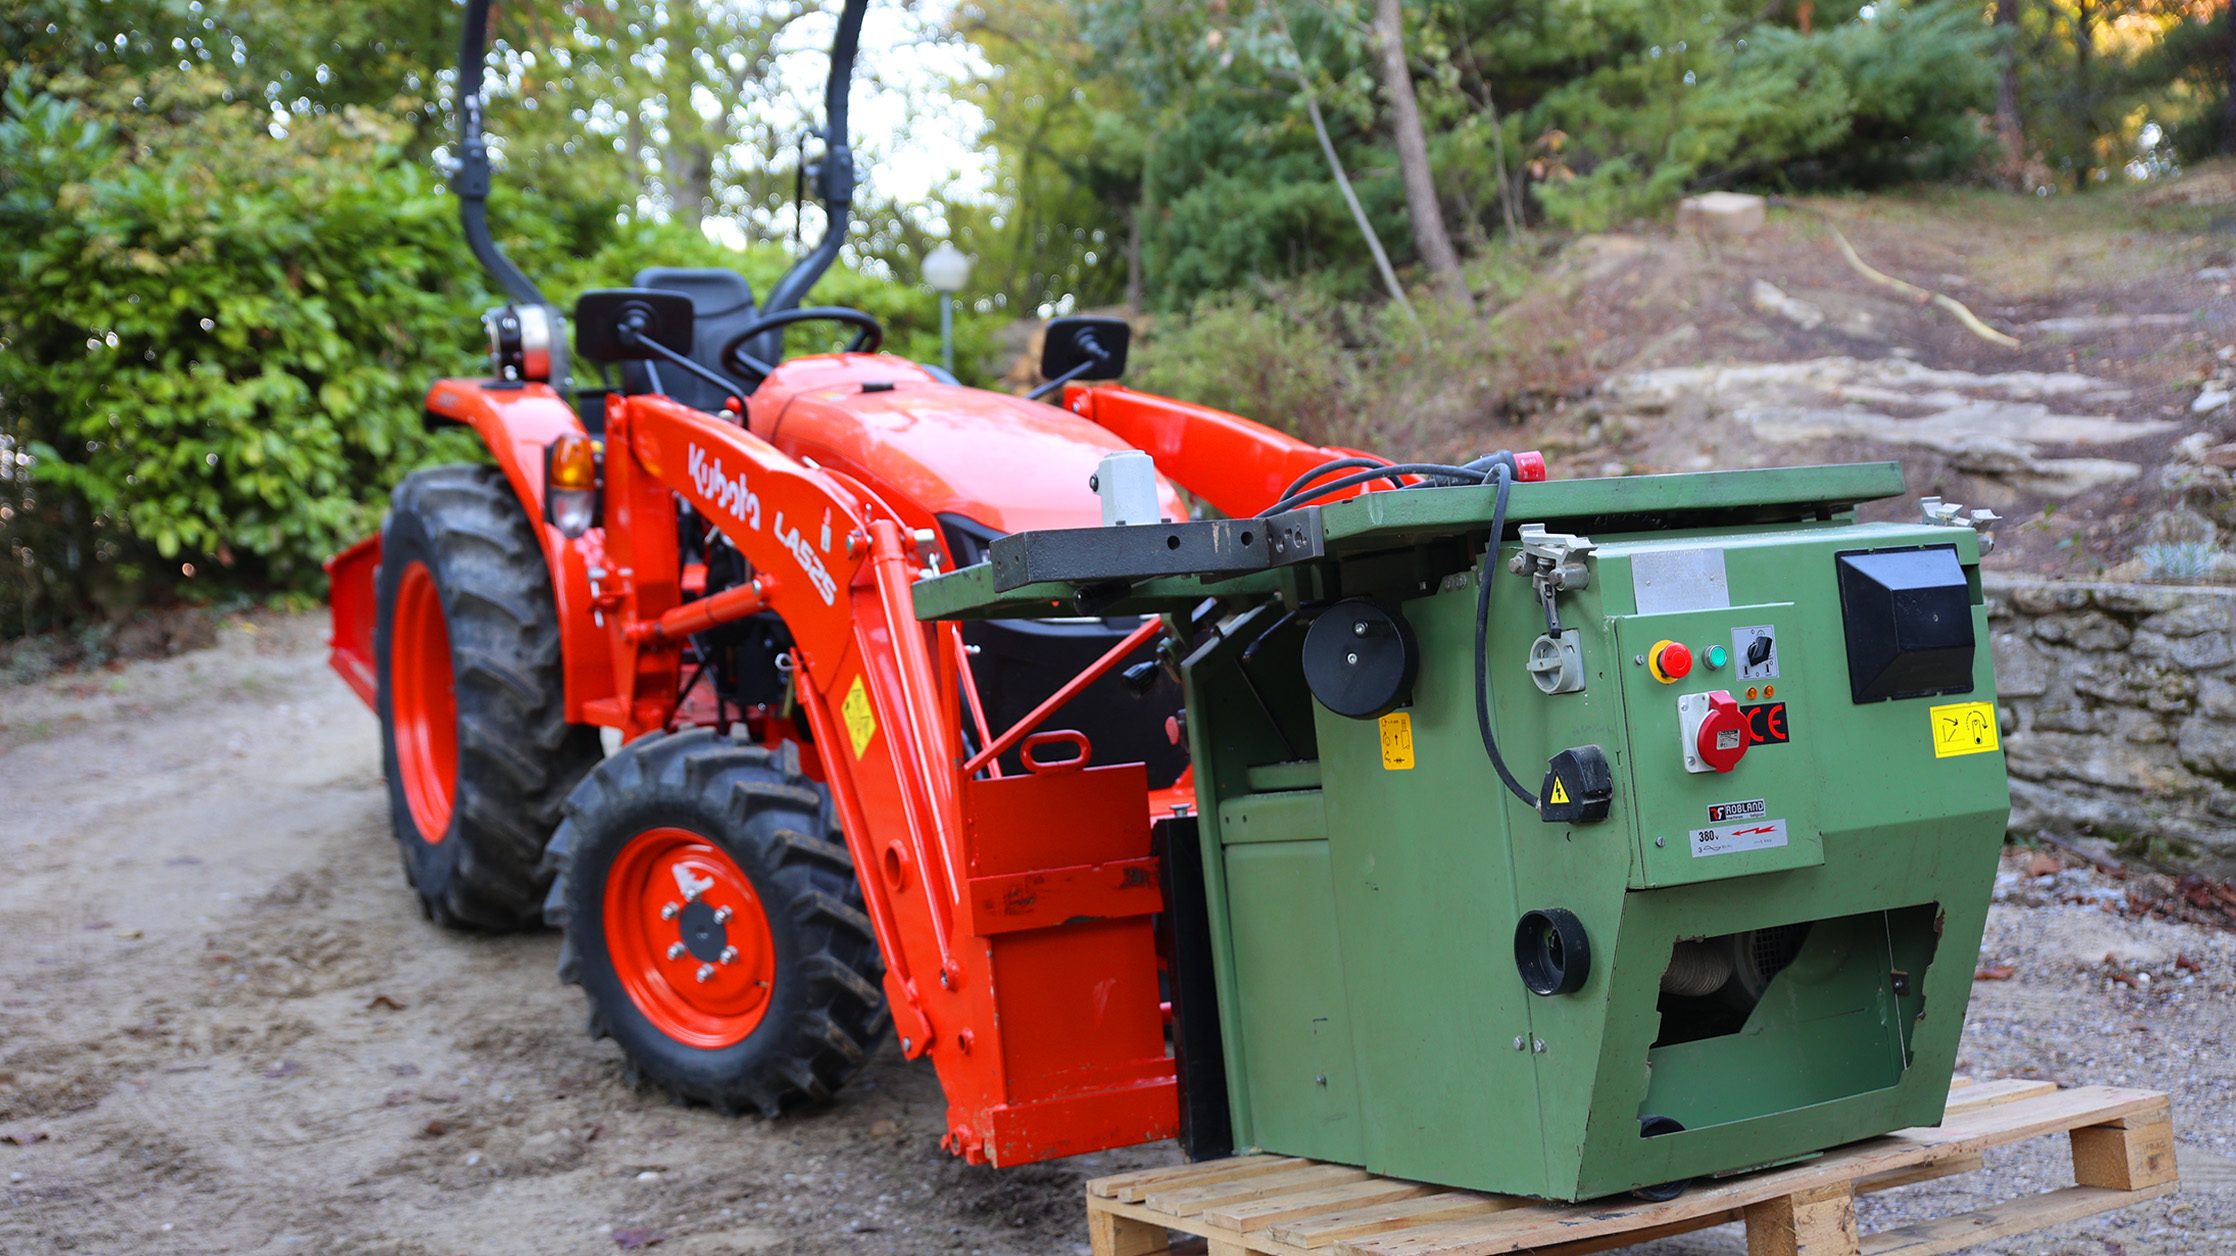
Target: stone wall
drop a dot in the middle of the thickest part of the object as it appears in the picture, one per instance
(2118, 706)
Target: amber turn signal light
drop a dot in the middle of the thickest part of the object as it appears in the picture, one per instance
(574, 463)
(570, 499)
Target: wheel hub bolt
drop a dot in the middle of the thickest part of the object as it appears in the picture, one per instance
(675, 950)
(706, 972)
(671, 911)
(729, 955)
(721, 915)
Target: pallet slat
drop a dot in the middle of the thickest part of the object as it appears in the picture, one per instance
(2123, 1153)
(1998, 1221)
(1276, 1209)
(1357, 1222)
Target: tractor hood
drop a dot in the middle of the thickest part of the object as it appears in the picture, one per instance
(1002, 461)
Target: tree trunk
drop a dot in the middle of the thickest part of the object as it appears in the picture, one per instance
(1358, 212)
(2008, 129)
(1136, 294)
(1429, 235)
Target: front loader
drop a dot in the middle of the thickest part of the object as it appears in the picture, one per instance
(1118, 755)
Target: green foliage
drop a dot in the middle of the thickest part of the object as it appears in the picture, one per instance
(1862, 102)
(1278, 361)
(205, 371)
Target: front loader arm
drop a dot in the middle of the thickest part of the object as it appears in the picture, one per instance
(1012, 914)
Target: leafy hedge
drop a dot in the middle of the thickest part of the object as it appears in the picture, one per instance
(207, 373)
(214, 344)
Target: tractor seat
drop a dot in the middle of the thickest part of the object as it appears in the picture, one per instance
(721, 307)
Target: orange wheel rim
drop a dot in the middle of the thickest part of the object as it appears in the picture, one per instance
(421, 703)
(689, 938)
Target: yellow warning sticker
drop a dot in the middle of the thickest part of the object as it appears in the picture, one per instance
(1397, 740)
(1964, 728)
(1560, 791)
(860, 724)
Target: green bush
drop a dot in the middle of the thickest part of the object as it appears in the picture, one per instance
(214, 344)
(202, 373)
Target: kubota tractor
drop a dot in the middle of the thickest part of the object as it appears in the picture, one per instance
(827, 821)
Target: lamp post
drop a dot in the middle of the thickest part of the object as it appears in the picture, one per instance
(947, 269)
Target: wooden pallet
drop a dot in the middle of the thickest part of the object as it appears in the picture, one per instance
(2123, 1152)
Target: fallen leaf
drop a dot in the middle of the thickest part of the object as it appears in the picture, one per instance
(24, 1139)
(382, 1000)
(2042, 864)
(1994, 972)
(130, 933)
(2186, 964)
(434, 1128)
(591, 1135)
(398, 1098)
(630, 1238)
(884, 1129)
(2126, 979)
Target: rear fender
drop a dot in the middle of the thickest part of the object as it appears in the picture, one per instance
(1237, 465)
(517, 423)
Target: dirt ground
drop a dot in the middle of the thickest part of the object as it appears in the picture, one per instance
(1659, 351)
(224, 1027)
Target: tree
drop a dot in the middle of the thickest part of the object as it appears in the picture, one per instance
(1427, 216)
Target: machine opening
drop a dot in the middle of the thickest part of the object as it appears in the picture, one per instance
(1713, 984)
(1772, 1019)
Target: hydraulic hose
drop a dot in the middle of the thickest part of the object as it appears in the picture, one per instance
(1504, 477)
(1293, 500)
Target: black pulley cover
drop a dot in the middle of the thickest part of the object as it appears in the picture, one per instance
(1359, 659)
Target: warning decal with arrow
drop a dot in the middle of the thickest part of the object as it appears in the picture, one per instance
(1964, 728)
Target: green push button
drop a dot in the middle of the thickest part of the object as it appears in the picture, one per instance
(1718, 656)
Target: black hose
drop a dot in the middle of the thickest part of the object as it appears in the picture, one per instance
(1337, 464)
(1294, 500)
(1482, 638)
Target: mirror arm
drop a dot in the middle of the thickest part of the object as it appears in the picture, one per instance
(1096, 356)
(631, 334)
(1065, 378)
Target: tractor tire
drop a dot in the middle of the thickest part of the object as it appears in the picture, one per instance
(474, 736)
(713, 920)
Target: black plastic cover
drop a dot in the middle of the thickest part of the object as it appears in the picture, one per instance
(1360, 659)
(1579, 787)
(1908, 619)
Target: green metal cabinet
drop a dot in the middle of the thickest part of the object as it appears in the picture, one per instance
(1779, 954)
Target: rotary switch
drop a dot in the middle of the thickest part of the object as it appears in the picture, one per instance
(1711, 731)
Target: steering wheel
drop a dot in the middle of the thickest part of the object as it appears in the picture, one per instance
(869, 335)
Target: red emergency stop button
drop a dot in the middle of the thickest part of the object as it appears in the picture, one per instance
(1669, 661)
(1722, 739)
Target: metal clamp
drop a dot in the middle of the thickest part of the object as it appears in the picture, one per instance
(1554, 563)
(1938, 513)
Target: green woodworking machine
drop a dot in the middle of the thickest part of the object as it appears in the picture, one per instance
(1654, 843)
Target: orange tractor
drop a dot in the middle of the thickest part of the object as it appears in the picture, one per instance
(826, 821)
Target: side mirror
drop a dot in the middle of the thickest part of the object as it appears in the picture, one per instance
(1096, 344)
(604, 317)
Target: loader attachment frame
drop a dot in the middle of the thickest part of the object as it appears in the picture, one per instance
(1013, 912)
